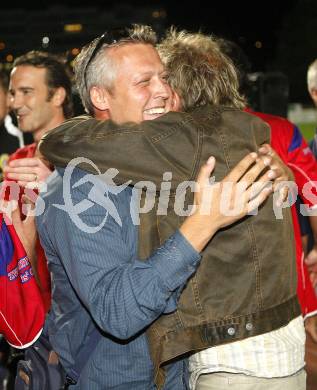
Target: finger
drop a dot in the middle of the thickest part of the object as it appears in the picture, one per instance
(283, 195)
(22, 162)
(266, 149)
(256, 201)
(257, 187)
(285, 192)
(32, 185)
(241, 168)
(267, 176)
(16, 217)
(279, 173)
(24, 169)
(282, 190)
(263, 178)
(22, 183)
(4, 208)
(22, 177)
(30, 218)
(28, 207)
(8, 209)
(27, 200)
(253, 173)
(205, 171)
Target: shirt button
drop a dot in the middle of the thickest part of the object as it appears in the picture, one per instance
(249, 326)
(231, 331)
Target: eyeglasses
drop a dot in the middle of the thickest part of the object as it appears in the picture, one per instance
(108, 38)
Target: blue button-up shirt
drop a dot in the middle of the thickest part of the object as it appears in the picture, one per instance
(98, 281)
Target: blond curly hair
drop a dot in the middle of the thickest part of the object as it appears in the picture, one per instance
(199, 71)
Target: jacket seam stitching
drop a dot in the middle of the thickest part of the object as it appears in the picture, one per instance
(257, 268)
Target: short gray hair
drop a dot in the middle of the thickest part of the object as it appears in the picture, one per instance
(102, 69)
(199, 71)
(312, 76)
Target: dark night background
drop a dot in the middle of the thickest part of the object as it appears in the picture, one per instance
(276, 35)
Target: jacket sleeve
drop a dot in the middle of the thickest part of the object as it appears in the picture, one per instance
(122, 294)
(139, 151)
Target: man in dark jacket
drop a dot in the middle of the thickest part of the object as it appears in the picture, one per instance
(230, 297)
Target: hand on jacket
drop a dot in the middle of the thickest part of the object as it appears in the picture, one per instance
(283, 173)
(217, 205)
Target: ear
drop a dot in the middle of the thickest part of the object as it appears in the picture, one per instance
(176, 102)
(101, 115)
(99, 98)
(59, 96)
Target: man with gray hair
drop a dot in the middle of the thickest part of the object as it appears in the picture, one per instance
(184, 140)
(98, 279)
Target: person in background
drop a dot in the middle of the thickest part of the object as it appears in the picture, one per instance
(40, 96)
(11, 138)
(288, 142)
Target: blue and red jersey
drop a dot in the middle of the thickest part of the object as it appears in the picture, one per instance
(288, 142)
(42, 269)
(23, 303)
(22, 310)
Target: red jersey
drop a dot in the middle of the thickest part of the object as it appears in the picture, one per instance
(29, 324)
(22, 312)
(288, 142)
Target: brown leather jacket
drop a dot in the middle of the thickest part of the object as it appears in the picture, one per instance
(246, 283)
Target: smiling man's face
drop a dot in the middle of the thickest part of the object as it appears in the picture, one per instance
(140, 90)
(29, 99)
